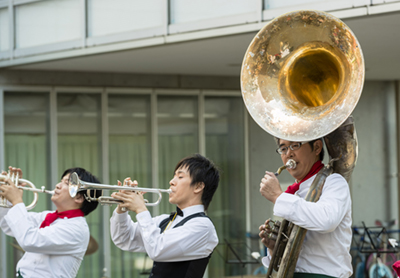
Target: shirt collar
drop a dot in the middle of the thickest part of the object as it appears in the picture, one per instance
(192, 210)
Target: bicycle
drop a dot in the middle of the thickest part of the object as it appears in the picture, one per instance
(379, 255)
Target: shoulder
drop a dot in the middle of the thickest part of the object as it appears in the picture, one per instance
(199, 219)
(336, 184)
(336, 178)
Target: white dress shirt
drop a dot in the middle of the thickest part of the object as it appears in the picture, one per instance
(53, 251)
(196, 239)
(325, 249)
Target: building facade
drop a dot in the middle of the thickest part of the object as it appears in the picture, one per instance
(128, 88)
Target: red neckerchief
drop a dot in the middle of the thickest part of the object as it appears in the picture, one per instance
(314, 170)
(52, 216)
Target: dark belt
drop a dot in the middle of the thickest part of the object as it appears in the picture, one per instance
(311, 275)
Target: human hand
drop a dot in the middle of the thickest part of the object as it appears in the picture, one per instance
(270, 188)
(8, 189)
(132, 200)
(269, 234)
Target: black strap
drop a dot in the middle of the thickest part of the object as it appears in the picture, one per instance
(165, 222)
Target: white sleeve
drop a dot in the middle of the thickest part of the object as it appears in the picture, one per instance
(65, 236)
(194, 240)
(34, 217)
(125, 233)
(322, 216)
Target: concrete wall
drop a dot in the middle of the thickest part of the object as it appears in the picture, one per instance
(68, 78)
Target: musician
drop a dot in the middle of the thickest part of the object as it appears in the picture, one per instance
(54, 242)
(180, 244)
(325, 250)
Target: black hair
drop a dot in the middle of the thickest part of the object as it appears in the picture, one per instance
(201, 170)
(87, 206)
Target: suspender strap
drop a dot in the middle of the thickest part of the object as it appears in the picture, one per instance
(165, 222)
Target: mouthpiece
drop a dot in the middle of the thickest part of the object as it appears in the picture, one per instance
(291, 164)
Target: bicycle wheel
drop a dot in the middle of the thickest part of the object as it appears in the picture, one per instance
(390, 260)
(379, 270)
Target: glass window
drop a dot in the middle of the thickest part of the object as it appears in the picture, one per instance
(129, 156)
(273, 4)
(25, 128)
(46, 22)
(188, 11)
(177, 136)
(225, 146)
(4, 30)
(110, 17)
(78, 118)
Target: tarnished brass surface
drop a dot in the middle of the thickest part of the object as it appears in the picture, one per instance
(302, 75)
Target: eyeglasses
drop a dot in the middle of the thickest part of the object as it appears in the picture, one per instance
(293, 147)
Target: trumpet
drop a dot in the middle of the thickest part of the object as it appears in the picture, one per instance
(16, 180)
(76, 185)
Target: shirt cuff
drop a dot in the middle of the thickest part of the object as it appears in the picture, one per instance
(144, 218)
(120, 216)
(266, 260)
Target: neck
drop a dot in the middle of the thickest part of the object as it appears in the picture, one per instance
(183, 206)
(66, 209)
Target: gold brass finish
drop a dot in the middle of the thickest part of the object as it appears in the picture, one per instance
(302, 75)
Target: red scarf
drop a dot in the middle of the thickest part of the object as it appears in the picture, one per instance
(52, 216)
(314, 170)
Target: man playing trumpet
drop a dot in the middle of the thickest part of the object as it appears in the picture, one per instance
(180, 244)
(54, 242)
(325, 250)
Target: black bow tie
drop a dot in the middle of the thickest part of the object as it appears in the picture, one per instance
(177, 212)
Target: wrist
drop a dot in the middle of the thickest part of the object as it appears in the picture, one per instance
(17, 201)
(141, 209)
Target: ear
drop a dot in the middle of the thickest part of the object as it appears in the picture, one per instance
(199, 187)
(318, 147)
(79, 199)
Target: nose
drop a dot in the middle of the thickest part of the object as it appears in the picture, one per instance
(290, 153)
(172, 182)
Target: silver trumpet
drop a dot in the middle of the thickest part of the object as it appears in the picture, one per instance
(31, 187)
(76, 185)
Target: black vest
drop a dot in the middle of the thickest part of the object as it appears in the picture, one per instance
(185, 269)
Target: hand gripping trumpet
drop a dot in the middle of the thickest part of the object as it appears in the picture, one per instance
(76, 185)
(16, 180)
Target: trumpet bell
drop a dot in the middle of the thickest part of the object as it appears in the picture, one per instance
(73, 184)
(302, 75)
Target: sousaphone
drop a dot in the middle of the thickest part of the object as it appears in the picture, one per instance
(301, 78)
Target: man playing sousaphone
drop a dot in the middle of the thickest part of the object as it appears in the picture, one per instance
(325, 250)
